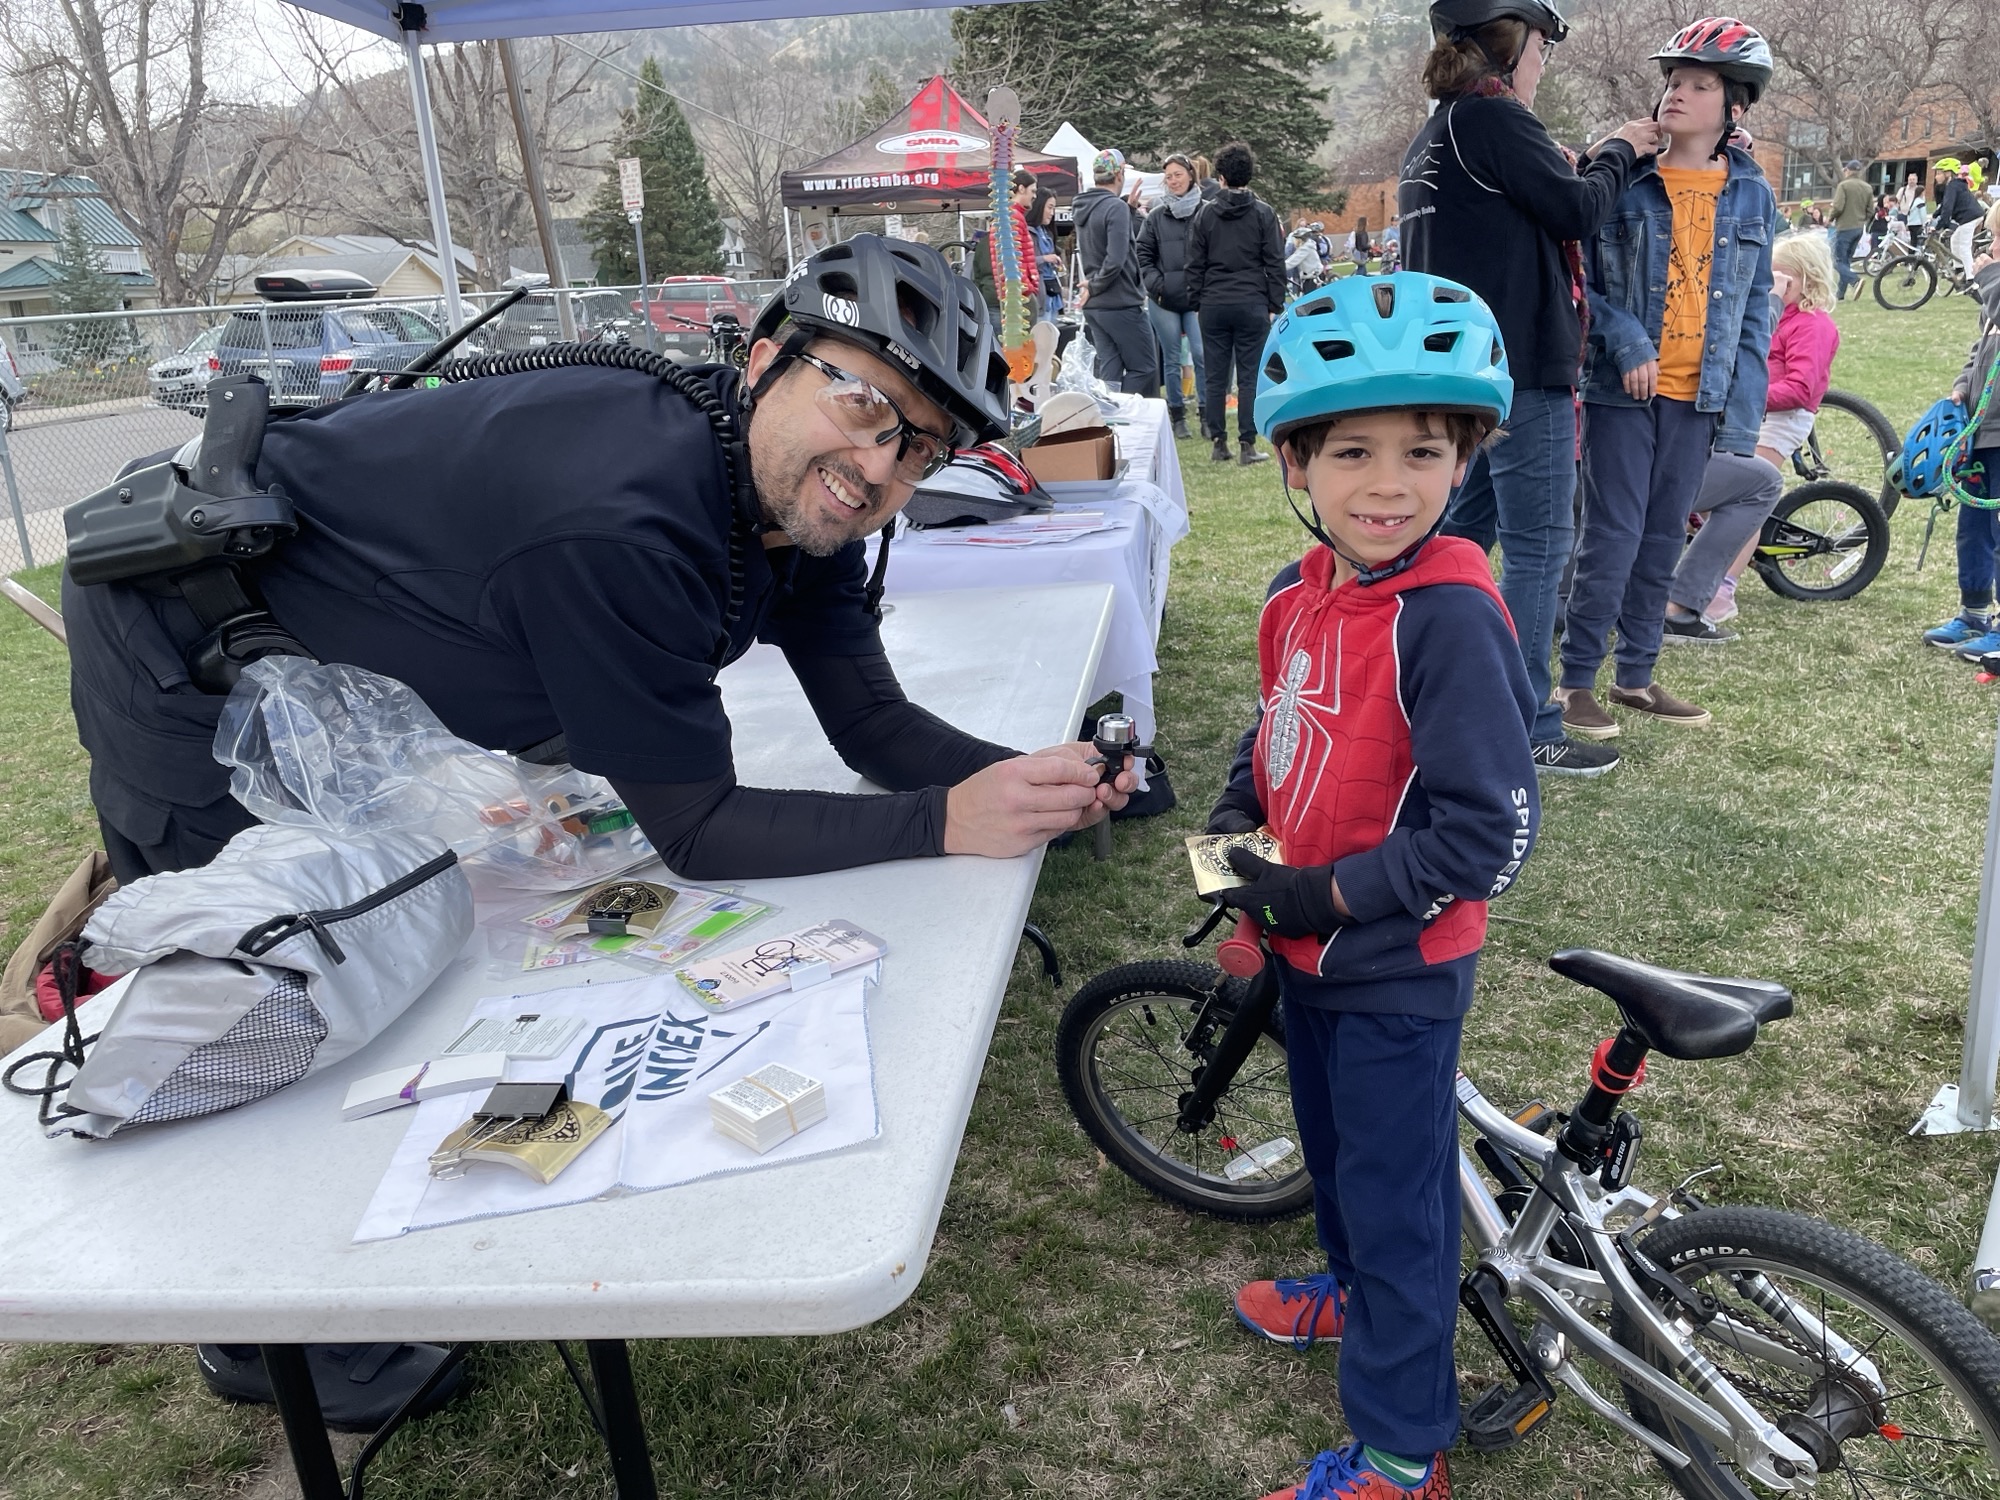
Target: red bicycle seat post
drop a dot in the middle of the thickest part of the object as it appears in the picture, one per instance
(1242, 955)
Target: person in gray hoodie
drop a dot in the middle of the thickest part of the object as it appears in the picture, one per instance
(1114, 308)
(1236, 276)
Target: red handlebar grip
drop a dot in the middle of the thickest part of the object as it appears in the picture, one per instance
(1241, 955)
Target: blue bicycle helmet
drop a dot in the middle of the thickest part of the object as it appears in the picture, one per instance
(1920, 470)
(1368, 342)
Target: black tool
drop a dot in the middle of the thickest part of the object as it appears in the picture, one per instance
(1117, 737)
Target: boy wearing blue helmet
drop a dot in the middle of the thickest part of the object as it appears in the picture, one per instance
(1390, 759)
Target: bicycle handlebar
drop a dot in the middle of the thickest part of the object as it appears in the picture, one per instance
(1242, 953)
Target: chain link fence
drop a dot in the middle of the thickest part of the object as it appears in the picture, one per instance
(86, 394)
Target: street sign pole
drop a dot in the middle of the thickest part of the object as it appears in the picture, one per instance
(633, 189)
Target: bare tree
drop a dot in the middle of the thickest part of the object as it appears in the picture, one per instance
(1848, 68)
(120, 90)
(362, 155)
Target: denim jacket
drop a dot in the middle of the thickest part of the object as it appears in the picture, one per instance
(1625, 268)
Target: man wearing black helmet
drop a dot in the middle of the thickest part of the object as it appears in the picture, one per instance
(1490, 200)
(556, 561)
(559, 559)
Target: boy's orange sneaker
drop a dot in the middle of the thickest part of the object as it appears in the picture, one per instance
(1297, 1312)
(1345, 1475)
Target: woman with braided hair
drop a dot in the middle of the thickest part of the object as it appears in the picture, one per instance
(1489, 200)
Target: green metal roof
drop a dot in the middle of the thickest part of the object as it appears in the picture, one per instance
(39, 271)
(21, 191)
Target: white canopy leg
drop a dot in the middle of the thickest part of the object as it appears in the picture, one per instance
(427, 149)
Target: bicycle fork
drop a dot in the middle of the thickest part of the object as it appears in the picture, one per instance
(1244, 957)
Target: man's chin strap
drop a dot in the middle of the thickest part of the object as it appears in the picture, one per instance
(1364, 573)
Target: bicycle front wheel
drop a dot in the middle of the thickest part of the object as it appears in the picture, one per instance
(1124, 1055)
(1925, 1427)
(1853, 442)
(1825, 541)
(1906, 283)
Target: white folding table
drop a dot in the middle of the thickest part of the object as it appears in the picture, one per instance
(238, 1228)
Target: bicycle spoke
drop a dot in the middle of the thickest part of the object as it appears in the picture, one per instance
(1924, 1489)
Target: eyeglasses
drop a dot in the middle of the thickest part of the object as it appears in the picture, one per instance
(1549, 45)
(860, 410)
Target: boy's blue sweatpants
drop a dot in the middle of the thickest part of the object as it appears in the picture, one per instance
(1978, 544)
(1376, 1104)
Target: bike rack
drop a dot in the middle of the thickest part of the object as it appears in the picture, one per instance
(1969, 1103)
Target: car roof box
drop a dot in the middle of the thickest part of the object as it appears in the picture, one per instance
(312, 286)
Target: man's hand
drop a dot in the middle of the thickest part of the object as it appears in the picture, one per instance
(1280, 898)
(1643, 381)
(1643, 136)
(1020, 804)
(1082, 296)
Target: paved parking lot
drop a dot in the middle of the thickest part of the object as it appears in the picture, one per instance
(63, 454)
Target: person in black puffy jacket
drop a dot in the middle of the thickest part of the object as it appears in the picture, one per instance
(1236, 279)
(1163, 255)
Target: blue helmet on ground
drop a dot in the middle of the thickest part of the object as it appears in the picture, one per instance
(1368, 342)
(1919, 471)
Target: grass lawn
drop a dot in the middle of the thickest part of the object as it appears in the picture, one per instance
(1072, 1336)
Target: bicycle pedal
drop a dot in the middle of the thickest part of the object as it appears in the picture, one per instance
(1535, 1115)
(1505, 1415)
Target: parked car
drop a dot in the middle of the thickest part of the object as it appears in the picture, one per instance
(179, 379)
(683, 306)
(313, 350)
(601, 317)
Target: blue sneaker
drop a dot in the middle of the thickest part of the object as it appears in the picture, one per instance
(1346, 1475)
(1955, 632)
(1980, 645)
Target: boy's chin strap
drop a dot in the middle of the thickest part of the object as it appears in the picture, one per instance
(1364, 573)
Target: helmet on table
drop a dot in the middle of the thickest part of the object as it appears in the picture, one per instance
(1365, 343)
(1458, 18)
(1735, 49)
(902, 301)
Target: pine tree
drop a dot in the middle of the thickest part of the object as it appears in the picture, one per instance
(82, 285)
(1085, 60)
(682, 228)
(1245, 70)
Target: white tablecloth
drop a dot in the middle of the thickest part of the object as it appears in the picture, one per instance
(1132, 557)
(238, 1227)
(1149, 508)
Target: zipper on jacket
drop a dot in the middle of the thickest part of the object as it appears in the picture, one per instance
(265, 936)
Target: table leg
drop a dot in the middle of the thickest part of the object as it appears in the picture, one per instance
(305, 1428)
(624, 1427)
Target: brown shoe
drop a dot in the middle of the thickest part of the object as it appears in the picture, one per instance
(1583, 715)
(1658, 702)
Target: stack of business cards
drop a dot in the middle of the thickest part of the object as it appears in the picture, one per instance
(768, 1106)
(795, 961)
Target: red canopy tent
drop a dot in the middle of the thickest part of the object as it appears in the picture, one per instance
(932, 156)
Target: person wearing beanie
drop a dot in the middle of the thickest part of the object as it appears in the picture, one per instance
(1114, 307)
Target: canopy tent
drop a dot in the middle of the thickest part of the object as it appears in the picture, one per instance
(934, 155)
(1071, 142)
(498, 20)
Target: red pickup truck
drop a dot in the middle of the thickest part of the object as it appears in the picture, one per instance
(683, 305)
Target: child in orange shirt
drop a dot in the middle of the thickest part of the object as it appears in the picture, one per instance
(1679, 279)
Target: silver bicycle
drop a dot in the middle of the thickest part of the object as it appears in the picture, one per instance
(1752, 1351)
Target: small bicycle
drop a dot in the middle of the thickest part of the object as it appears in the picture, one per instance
(1749, 1350)
(1824, 541)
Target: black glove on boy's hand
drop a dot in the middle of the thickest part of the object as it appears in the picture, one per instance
(1227, 819)
(1283, 899)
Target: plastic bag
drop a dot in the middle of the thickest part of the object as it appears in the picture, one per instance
(1078, 372)
(347, 751)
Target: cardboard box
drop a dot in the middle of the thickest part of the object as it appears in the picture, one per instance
(1089, 453)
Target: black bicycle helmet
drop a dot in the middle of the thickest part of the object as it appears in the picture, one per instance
(901, 300)
(1735, 49)
(1459, 18)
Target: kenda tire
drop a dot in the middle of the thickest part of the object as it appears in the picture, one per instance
(1960, 1354)
(1150, 991)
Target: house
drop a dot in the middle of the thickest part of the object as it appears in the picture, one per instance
(32, 210)
(579, 257)
(396, 269)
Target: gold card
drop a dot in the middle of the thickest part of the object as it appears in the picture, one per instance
(1209, 854)
(537, 1148)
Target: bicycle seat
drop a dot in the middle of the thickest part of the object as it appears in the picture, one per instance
(1692, 1017)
